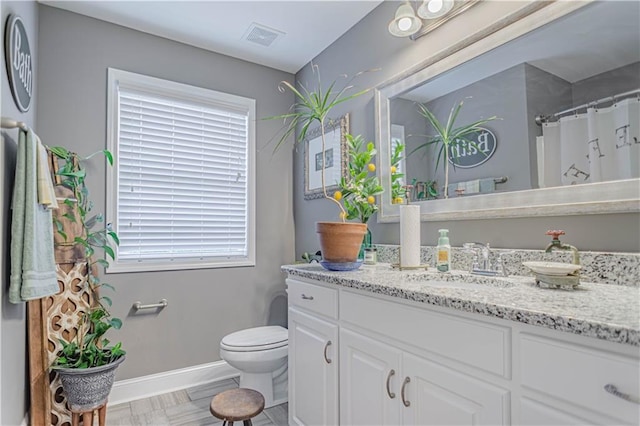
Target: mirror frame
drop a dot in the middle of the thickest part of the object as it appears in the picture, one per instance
(621, 196)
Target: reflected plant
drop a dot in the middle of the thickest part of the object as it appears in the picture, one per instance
(448, 136)
(398, 192)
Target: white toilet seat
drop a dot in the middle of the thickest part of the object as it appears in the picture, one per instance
(256, 339)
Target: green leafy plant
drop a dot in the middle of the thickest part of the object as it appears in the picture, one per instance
(313, 107)
(358, 191)
(89, 347)
(398, 192)
(448, 136)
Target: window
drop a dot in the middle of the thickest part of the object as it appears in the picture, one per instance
(181, 193)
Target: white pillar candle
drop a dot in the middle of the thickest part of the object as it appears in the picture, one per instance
(409, 235)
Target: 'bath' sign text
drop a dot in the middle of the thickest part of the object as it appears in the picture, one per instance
(477, 149)
(19, 63)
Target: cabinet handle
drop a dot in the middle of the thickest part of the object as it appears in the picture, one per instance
(328, 361)
(404, 401)
(305, 297)
(391, 394)
(613, 390)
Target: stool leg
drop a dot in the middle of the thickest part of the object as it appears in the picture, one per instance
(75, 419)
(102, 415)
(87, 418)
(247, 422)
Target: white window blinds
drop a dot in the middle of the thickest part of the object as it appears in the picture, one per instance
(183, 173)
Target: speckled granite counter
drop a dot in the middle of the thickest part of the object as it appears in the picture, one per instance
(603, 311)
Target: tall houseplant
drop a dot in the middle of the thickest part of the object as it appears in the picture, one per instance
(339, 241)
(87, 361)
(447, 136)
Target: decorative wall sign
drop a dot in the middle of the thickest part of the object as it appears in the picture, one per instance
(467, 155)
(19, 62)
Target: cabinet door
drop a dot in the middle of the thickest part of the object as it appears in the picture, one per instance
(313, 370)
(369, 381)
(438, 395)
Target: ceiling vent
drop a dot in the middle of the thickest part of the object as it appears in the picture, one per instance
(262, 35)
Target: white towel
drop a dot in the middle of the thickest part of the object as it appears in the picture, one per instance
(33, 268)
(46, 192)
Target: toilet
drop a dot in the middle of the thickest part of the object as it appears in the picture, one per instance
(260, 354)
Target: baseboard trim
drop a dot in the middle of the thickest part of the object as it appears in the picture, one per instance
(169, 381)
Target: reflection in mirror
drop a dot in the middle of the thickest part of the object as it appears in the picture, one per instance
(567, 95)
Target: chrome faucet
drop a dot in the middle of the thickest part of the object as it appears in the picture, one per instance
(481, 264)
(556, 244)
(481, 260)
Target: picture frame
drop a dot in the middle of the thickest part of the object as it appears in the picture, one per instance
(335, 157)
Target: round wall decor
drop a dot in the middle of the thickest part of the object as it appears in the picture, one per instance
(19, 62)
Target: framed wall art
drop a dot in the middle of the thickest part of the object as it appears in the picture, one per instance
(334, 157)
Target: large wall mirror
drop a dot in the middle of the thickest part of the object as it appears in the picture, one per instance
(564, 80)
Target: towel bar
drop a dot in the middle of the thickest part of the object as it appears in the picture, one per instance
(161, 304)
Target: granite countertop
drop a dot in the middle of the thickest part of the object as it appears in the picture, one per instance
(603, 311)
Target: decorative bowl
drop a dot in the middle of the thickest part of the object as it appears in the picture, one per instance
(341, 266)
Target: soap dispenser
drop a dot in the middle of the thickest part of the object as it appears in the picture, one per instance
(443, 252)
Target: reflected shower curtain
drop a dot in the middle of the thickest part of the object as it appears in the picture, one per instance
(601, 145)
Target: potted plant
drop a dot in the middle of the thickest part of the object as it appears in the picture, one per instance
(339, 241)
(448, 137)
(359, 189)
(87, 362)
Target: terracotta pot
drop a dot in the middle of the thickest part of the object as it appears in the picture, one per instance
(340, 241)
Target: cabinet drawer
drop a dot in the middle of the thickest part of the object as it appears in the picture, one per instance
(314, 298)
(578, 374)
(475, 343)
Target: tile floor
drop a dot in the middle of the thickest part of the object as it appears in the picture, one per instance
(186, 407)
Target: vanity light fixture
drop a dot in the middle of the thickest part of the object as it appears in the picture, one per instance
(405, 22)
(430, 15)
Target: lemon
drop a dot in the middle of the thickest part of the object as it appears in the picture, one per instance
(371, 199)
(337, 195)
(393, 169)
(399, 200)
(371, 167)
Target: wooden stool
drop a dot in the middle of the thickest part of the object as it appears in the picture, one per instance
(87, 417)
(237, 404)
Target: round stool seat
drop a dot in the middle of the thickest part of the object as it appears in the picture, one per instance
(237, 404)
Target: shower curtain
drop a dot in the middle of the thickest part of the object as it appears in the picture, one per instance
(602, 144)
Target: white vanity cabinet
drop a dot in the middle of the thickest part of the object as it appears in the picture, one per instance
(395, 369)
(313, 354)
(402, 362)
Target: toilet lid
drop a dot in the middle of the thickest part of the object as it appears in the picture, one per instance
(258, 338)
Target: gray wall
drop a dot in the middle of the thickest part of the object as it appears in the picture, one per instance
(204, 305)
(13, 355)
(607, 84)
(369, 45)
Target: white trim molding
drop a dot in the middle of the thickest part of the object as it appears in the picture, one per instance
(169, 381)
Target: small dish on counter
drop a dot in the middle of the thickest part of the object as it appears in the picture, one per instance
(552, 268)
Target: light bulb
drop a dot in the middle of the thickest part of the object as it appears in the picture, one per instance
(434, 6)
(404, 24)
